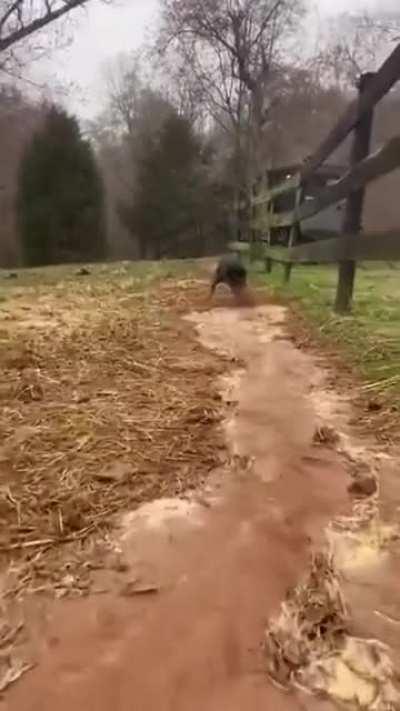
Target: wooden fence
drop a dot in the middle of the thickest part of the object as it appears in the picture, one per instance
(352, 245)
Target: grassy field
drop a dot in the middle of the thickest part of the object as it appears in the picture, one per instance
(143, 272)
(370, 336)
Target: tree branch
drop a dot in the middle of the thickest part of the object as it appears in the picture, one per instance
(22, 31)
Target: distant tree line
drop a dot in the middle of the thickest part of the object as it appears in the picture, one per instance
(223, 91)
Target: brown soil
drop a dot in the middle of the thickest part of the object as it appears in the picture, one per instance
(220, 569)
(180, 624)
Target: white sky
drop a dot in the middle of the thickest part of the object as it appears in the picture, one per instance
(100, 32)
(103, 31)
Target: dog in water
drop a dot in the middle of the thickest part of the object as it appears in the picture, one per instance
(230, 271)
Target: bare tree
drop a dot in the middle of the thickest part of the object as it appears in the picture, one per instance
(124, 81)
(21, 18)
(233, 47)
(354, 43)
(133, 103)
(174, 76)
(134, 112)
(23, 25)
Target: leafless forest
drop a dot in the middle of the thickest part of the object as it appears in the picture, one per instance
(249, 90)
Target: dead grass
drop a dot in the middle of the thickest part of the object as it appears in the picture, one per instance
(312, 623)
(309, 646)
(375, 415)
(107, 401)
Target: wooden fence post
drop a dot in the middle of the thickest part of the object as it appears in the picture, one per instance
(355, 203)
(244, 216)
(268, 263)
(294, 231)
(252, 217)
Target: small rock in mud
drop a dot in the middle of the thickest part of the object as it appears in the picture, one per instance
(325, 435)
(11, 275)
(83, 271)
(136, 587)
(374, 406)
(363, 487)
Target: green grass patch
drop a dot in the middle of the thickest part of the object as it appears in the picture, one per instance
(370, 336)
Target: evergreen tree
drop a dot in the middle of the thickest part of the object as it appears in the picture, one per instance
(163, 216)
(60, 195)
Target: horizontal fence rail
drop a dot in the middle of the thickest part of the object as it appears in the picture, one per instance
(312, 188)
(372, 247)
(381, 163)
(382, 82)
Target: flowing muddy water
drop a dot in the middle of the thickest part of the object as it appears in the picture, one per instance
(220, 562)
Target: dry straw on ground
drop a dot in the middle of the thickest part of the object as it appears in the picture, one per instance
(309, 646)
(107, 400)
(311, 625)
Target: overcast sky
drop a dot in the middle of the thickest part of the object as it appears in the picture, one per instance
(103, 31)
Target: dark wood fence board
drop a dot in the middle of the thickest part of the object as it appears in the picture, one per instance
(385, 78)
(350, 186)
(375, 166)
(380, 163)
(375, 246)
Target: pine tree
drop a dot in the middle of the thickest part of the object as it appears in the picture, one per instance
(60, 195)
(163, 214)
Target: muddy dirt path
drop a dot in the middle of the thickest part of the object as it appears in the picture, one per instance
(221, 562)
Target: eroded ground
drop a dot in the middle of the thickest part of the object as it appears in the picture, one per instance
(193, 583)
